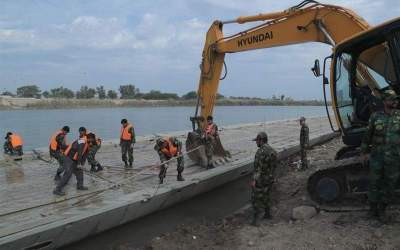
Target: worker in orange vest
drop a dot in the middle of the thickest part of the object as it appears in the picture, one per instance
(58, 144)
(127, 140)
(167, 149)
(210, 133)
(13, 144)
(75, 158)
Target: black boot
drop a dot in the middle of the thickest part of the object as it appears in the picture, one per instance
(130, 164)
(126, 164)
(267, 214)
(82, 187)
(162, 174)
(93, 169)
(99, 167)
(256, 219)
(210, 166)
(383, 217)
(58, 192)
(373, 210)
(179, 177)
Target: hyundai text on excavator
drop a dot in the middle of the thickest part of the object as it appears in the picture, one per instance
(365, 62)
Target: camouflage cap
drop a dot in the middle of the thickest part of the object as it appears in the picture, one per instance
(389, 95)
(261, 136)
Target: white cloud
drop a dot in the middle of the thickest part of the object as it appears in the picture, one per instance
(83, 32)
(16, 36)
(152, 32)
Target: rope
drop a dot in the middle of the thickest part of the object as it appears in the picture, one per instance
(54, 202)
(116, 184)
(162, 163)
(98, 176)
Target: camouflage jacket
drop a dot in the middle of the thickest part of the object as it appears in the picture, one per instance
(265, 162)
(392, 137)
(374, 137)
(304, 136)
(177, 143)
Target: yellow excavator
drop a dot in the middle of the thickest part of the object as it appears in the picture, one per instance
(365, 62)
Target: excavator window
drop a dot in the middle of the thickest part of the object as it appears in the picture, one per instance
(375, 67)
(344, 100)
(396, 52)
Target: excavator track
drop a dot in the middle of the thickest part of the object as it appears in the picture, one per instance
(343, 180)
(342, 186)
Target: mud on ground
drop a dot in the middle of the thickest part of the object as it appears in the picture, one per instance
(324, 231)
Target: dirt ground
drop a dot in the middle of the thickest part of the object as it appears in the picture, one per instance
(326, 230)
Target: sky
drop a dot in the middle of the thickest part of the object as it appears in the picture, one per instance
(154, 45)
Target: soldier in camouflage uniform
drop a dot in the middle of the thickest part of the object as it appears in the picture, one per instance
(94, 145)
(304, 142)
(127, 140)
(167, 149)
(381, 142)
(210, 135)
(265, 162)
(58, 143)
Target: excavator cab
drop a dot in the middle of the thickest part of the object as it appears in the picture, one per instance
(362, 68)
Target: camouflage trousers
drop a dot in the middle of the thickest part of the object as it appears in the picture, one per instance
(180, 167)
(384, 174)
(303, 155)
(209, 149)
(92, 154)
(127, 148)
(59, 156)
(260, 197)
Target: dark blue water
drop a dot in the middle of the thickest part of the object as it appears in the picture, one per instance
(36, 126)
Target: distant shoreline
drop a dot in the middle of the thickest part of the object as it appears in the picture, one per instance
(9, 103)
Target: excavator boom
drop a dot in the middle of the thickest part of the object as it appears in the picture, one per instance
(307, 22)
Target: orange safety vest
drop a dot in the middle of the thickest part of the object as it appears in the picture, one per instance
(75, 156)
(53, 140)
(170, 149)
(210, 128)
(125, 135)
(15, 140)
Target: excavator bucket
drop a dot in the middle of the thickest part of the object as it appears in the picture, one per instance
(195, 146)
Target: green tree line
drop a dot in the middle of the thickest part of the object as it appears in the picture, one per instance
(128, 91)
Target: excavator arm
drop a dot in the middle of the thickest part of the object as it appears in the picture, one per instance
(307, 22)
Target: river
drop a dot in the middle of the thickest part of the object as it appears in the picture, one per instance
(36, 126)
